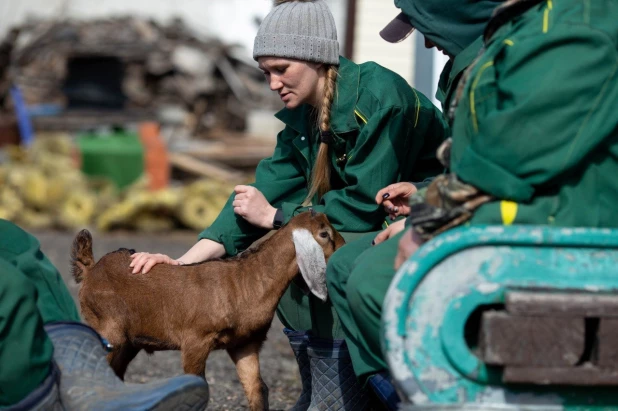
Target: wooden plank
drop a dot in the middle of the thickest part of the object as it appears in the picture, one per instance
(204, 169)
(586, 375)
(237, 153)
(531, 341)
(562, 304)
(608, 344)
(78, 120)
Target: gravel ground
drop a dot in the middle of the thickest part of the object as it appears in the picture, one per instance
(278, 365)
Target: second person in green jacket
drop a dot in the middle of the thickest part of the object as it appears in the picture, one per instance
(360, 273)
(349, 131)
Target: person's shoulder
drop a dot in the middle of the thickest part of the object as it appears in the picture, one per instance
(14, 239)
(554, 20)
(386, 89)
(380, 79)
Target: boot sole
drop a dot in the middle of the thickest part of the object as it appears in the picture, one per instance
(184, 394)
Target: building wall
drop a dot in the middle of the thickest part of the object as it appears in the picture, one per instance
(371, 17)
(419, 66)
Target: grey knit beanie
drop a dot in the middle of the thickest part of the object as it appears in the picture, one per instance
(299, 29)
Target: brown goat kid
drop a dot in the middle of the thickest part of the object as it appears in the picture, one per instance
(219, 304)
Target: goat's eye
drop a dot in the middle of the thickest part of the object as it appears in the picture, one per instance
(324, 234)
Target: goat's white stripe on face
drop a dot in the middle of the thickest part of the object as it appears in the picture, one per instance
(311, 261)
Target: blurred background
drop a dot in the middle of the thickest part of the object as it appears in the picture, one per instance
(143, 114)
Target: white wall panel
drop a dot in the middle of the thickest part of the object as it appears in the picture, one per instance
(371, 17)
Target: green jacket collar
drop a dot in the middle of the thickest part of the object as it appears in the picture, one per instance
(342, 110)
(453, 70)
(465, 58)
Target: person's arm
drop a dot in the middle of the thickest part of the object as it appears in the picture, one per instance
(550, 102)
(279, 178)
(202, 250)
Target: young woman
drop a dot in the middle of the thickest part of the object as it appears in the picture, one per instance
(350, 130)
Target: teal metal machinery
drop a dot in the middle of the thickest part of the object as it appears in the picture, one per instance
(435, 292)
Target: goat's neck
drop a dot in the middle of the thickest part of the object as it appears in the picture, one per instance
(270, 270)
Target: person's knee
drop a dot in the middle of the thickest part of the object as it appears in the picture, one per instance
(13, 281)
(369, 280)
(338, 269)
(14, 240)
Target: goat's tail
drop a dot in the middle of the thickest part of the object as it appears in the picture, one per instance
(82, 259)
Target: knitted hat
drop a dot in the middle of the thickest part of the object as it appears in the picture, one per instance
(298, 29)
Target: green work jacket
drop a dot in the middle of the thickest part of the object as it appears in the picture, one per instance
(388, 132)
(537, 123)
(452, 72)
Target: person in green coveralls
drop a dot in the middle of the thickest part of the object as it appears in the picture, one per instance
(535, 133)
(360, 273)
(49, 359)
(350, 130)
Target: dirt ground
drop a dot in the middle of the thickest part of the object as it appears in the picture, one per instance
(278, 365)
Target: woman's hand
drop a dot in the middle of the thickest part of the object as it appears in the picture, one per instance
(143, 262)
(250, 204)
(409, 243)
(395, 198)
(389, 231)
(203, 250)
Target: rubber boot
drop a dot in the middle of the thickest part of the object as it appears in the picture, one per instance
(87, 381)
(46, 397)
(299, 341)
(384, 389)
(334, 386)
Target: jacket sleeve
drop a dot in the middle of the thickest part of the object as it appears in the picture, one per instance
(279, 178)
(387, 144)
(545, 108)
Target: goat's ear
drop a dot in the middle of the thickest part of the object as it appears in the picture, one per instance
(311, 261)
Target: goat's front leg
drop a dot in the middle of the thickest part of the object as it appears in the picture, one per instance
(194, 353)
(120, 358)
(248, 367)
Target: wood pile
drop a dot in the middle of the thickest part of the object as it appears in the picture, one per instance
(212, 84)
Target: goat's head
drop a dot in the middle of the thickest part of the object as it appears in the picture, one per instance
(315, 240)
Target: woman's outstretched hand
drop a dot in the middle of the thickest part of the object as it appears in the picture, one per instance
(250, 204)
(143, 262)
(395, 198)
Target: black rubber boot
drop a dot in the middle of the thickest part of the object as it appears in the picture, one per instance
(384, 389)
(87, 382)
(334, 386)
(299, 341)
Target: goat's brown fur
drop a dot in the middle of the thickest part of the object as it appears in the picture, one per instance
(220, 304)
